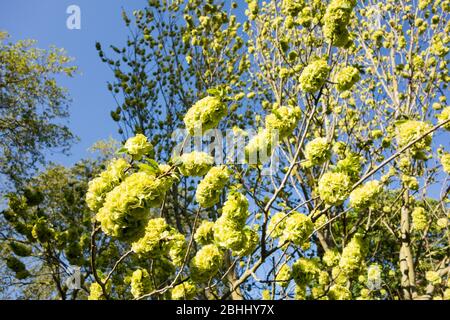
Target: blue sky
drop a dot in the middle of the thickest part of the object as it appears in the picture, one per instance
(45, 21)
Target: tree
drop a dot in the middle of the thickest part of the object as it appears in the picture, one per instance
(32, 106)
(354, 93)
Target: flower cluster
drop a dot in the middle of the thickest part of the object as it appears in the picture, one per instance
(95, 292)
(317, 151)
(419, 219)
(346, 78)
(336, 20)
(209, 189)
(140, 283)
(206, 263)
(276, 225)
(445, 116)
(331, 257)
(138, 146)
(314, 76)
(283, 120)
(259, 148)
(363, 196)
(284, 275)
(108, 179)
(298, 227)
(410, 130)
(205, 114)
(230, 231)
(184, 291)
(204, 234)
(292, 7)
(195, 164)
(333, 187)
(352, 255)
(160, 239)
(126, 207)
(339, 292)
(305, 270)
(445, 160)
(350, 165)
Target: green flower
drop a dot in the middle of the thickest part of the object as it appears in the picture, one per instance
(445, 116)
(126, 208)
(210, 188)
(184, 291)
(206, 263)
(108, 179)
(363, 196)
(298, 228)
(284, 275)
(317, 151)
(352, 255)
(205, 114)
(314, 76)
(334, 187)
(195, 163)
(346, 78)
(410, 130)
(138, 146)
(140, 283)
(204, 234)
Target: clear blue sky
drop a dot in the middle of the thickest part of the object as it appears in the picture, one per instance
(45, 21)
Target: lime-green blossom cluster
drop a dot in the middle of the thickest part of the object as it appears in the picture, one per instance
(353, 255)
(195, 164)
(410, 182)
(108, 179)
(206, 263)
(250, 242)
(350, 165)
(284, 275)
(304, 270)
(410, 130)
(438, 47)
(314, 75)
(331, 257)
(336, 20)
(126, 207)
(317, 151)
(160, 239)
(292, 7)
(419, 219)
(184, 291)
(259, 148)
(140, 283)
(333, 187)
(95, 292)
(298, 227)
(445, 116)
(363, 196)
(210, 188)
(442, 223)
(339, 292)
(276, 225)
(283, 120)
(346, 78)
(138, 146)
(204, 234)
(205, 114)
(445, 161)
(230, 231)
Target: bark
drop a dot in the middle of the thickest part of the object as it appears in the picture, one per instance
(408, 280)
